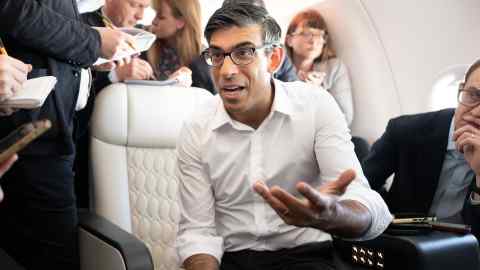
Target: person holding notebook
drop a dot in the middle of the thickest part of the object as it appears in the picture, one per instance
(39, 216)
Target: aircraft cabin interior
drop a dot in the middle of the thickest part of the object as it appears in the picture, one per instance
(401, 58)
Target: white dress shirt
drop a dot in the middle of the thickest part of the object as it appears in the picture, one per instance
(304, 138)
(453, 183)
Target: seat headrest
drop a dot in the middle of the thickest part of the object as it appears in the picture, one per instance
(141, 115)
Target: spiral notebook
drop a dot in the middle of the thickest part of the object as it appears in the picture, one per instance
(32, 95)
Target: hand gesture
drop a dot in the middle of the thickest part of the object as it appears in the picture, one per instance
(317, 209)
(467, 141)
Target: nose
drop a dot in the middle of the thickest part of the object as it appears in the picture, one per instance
(139, 14)
(228, 68)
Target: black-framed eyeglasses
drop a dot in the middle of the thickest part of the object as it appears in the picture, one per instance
(310, 35)
(469, 96)
(240, 56)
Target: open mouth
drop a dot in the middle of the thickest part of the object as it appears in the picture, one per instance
(232, 91)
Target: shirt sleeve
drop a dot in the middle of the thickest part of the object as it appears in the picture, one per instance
(335, 154)
(197, 231)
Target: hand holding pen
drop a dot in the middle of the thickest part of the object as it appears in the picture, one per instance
(113, 41)
(13, 73)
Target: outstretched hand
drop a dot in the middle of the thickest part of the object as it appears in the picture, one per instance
(317, 209)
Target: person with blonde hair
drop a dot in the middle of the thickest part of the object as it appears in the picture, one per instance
(309, 47)
(177, 26)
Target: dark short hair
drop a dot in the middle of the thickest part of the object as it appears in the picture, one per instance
(259, 3)
(242, 15)
(471, 69)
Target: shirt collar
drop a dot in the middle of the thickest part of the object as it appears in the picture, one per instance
(281, 104)
(451, 143)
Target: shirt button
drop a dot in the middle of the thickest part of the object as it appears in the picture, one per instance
(75, 74)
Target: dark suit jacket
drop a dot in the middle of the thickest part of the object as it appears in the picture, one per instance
(413, 148)
(49, 35)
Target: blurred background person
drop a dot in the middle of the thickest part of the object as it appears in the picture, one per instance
(121, 13)
(310, 48)
(177, 25)
(39, 215)
(286, 72)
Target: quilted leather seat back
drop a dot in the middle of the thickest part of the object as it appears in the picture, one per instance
(134, 132)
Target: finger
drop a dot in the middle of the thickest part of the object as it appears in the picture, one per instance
(295, 204)
(318, 199)
(471, 119)
(464, 139)
(464, 129)
(7, 164)
(339, 186)
(19, 77)
(263, 191)
(20, 67)
(467, 140)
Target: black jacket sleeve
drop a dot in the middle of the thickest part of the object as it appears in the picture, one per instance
(381, 161)
(286, 72)
(201, 75)
(37, 26)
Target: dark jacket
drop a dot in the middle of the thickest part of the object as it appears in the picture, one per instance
(100, 78)
(48, 35)
(413, 148)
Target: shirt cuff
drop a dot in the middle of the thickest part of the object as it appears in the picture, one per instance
(112, 76)
(381, 216)
(473, 201)
(191, 244)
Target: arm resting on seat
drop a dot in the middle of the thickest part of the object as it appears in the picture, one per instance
(103, 245)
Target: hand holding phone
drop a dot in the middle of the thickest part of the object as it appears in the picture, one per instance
(21, 137)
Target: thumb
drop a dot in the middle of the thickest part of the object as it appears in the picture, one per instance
(339, 186)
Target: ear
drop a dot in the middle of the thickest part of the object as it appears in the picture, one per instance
(288, 40)
(180, 23)
(275, 59)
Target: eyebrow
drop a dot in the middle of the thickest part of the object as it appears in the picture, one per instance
(239, 45)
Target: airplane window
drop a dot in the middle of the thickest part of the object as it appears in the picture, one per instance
(445, 87)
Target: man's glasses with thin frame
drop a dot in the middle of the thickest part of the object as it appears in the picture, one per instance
(468, 96)
(240, 56)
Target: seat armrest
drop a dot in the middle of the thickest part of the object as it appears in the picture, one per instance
(103, 245)
(432, 250)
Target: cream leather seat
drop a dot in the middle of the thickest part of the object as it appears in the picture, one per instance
(134, 131)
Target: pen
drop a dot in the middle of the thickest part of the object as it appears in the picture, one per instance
(3, 51)
(414, 220)
(109, 24)
(450, 227)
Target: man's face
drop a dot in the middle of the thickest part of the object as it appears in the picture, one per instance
(244, 89)
(126, 13)
(469, 115)
(165, 25)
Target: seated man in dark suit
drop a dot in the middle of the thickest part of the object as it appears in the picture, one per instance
(435, 158)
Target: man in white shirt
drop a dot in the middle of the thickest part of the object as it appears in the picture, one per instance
(259, 128)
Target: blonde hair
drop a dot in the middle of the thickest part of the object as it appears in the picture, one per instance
(188, 40)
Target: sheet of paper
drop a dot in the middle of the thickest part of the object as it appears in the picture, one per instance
(33, 93)
(144, 41)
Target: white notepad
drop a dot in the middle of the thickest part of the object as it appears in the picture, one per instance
(144, 41)
(33, 93)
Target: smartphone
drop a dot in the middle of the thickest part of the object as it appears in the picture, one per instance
(21, 137)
